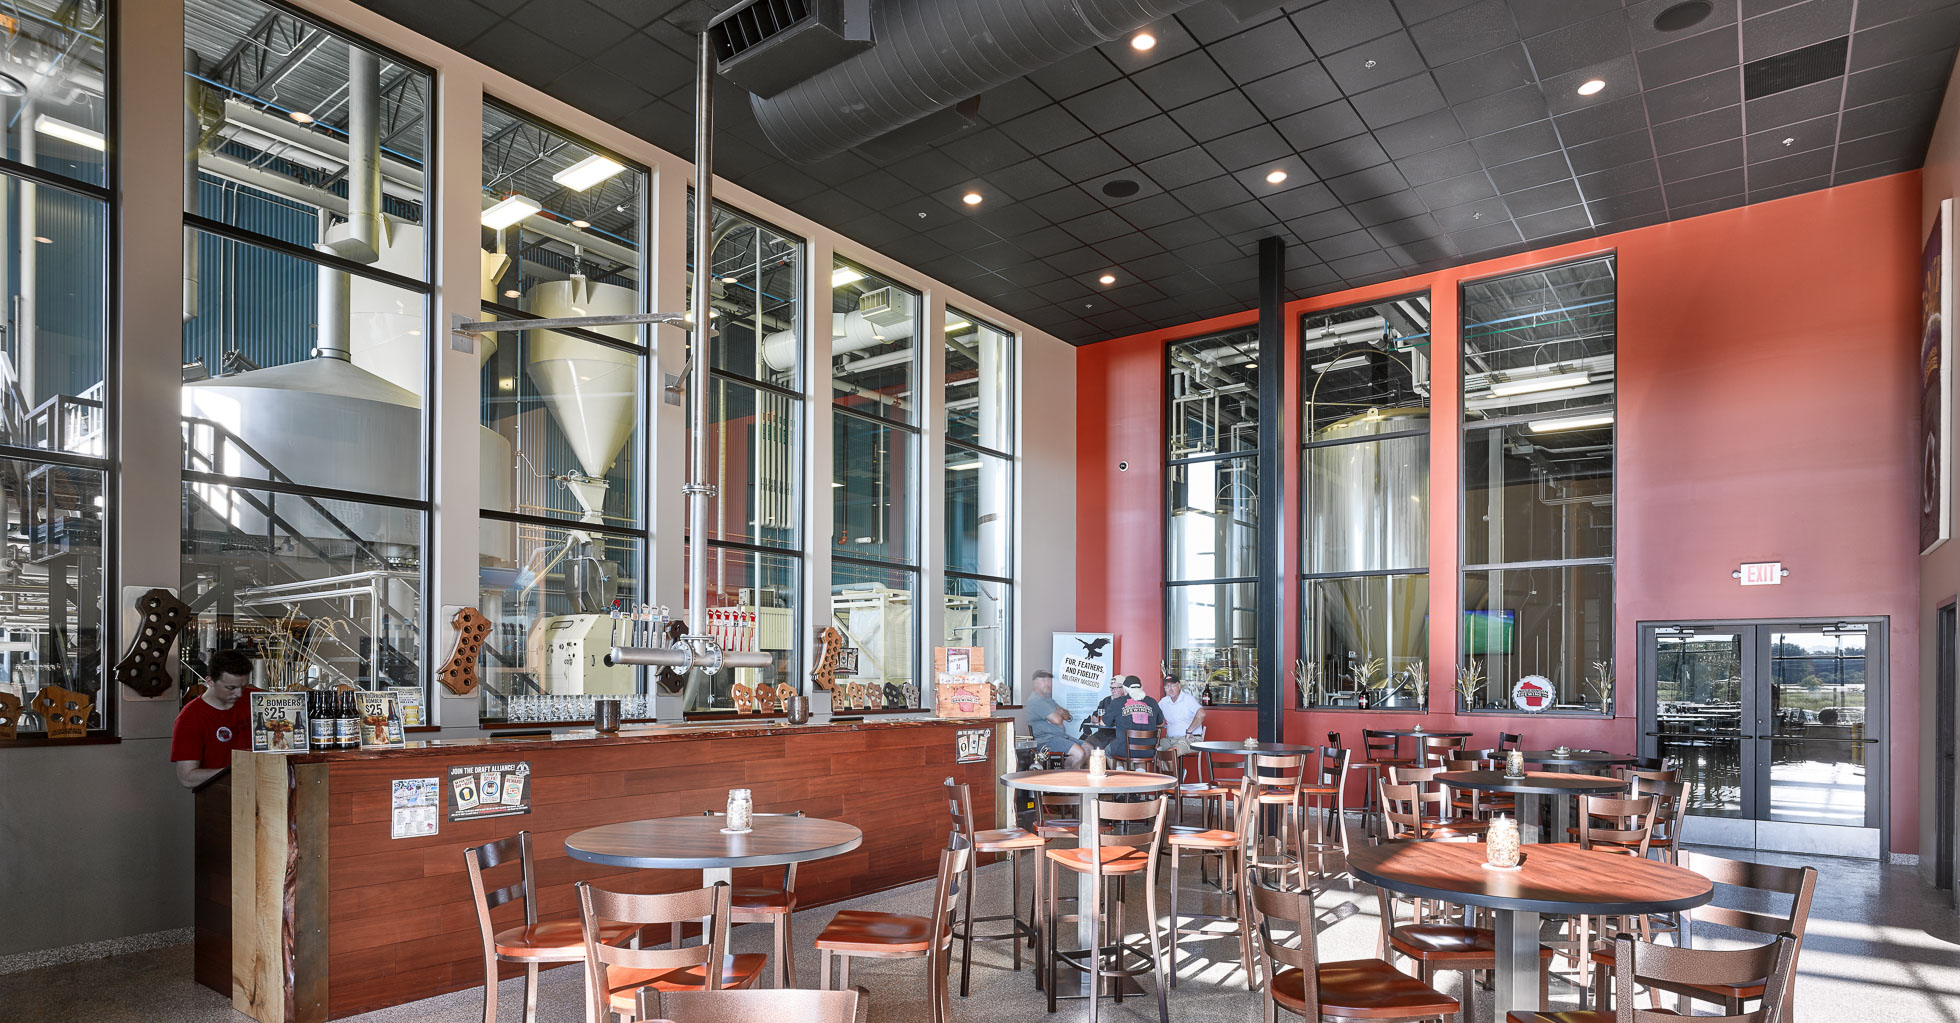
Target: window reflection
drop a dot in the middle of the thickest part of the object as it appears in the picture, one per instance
(874, 323)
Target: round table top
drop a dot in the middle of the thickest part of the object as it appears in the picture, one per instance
(1080, 782)
(1239, 747)
(696, 843)
(1403, 732)
(1560, 878)
(1540, 783)
(1578, 757)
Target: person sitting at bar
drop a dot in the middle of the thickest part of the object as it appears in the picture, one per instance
(1184, 720)
(1127, 707)
(1046, 719)
(215, 722)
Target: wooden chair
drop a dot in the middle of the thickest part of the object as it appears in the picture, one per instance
(1296, 981)
(1406, 816)
(1666, 967)
(1010, 842)
(1472, 803)
(855, 932)
(1279, 780)
(1218, 782)
(1115, 854)
(535, 942)
(1230, 847)
(1325, 791)
(1054, 815)
(1508, 741)
(1439, 944)
(1438, 748)
(1379, 753)
(772, 904)
(1798, 884)
(1141, 744)
(1434, 801)
(757, 1006)
(1612, 824)
(628, 982)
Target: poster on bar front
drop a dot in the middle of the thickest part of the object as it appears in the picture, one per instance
(1084, 661)
(1936, 383)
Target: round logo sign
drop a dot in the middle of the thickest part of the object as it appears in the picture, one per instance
(224, 733)
(1533, 693)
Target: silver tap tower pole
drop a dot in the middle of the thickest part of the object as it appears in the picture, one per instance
(698, 488)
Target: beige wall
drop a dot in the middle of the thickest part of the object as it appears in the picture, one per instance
(1939, 572)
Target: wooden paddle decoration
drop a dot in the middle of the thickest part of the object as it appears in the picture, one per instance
(458, 674)
(830, 646)
(145, 667)
(65, 711)
(9, 715)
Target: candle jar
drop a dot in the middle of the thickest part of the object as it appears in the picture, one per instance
(1514, 764)
(741, 810)
(1502, 847)
(1098, 763)
(1251, 742)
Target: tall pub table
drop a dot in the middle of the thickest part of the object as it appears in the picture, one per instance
(1559, 785)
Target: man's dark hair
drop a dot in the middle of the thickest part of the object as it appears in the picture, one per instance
(231, 662)
(1043, 673)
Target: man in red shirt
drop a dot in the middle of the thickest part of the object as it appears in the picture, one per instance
(214, 724)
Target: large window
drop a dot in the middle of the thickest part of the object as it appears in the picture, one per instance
(1212, 532)
(980, 489)
(755, 455)
(1538, 445)
(306, 347)
(1364, 603)
(563, 531)
(874, 578)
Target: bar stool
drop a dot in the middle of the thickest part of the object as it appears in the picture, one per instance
(1140, 748)
(856, 933)
(1110, 855)
(1434, 801)
(1278, 779)
(1440, 945)
(1508, 741)
(628, 981)
(1770, 967)
(558, 940)
(1380, 752)
(1611, 824)
(1230, 848)
(1437, 748)
(1010, 841)
(1212, 788)
(1471, 802)
(1326, 792)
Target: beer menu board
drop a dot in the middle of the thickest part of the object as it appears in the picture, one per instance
(489, 790)
(381, 720)
(279, 723)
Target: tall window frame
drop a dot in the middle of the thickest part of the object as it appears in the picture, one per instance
(985, 450)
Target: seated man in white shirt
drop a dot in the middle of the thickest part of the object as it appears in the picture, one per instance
(1184, 720)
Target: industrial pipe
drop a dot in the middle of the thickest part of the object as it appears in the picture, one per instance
(698, 489)
(364, 237)
(193, 140)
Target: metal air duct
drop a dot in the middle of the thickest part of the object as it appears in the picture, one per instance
(363, 238)
(932, 54)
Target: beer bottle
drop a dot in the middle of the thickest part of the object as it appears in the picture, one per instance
(320, 727)
(347, 724)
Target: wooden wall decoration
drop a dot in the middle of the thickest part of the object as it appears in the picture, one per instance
(830, 646)
(65, 711)
(9, 715)
(458, 674)
(145, 666)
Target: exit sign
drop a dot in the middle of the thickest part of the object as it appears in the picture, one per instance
(1761, 573)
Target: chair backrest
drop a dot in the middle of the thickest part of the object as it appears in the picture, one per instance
(754, 1005)
(1652, 774)
(1380, 746)
(1436, 747)
(1616, 823)
(1800, 883)
(1150, 809)
(1670, 811)
(598, 907)
(1423, 777)
(1334, 764)
(1773, 964)
(789, 869)
(1466, 760)
(1050, 806)
(1211, 763)
(1333, 738)
(1291, 910)
(1141, 744)
(1508, 741)
(959, 801)
(513, 851)
(1280, 771)
(946, 890)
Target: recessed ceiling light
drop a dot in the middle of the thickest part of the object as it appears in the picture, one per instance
(512, 293)
(971, 198)
(301, 116)
(1107, 278)
(1275, 177)
(44, 239)
(1142, 41)
(1686, 14)
(581, 223)
(1592, 87)
(1121, 188)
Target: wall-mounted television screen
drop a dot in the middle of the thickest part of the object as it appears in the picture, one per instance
(1488, 632)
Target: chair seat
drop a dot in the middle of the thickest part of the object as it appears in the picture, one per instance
(1603, 955)
(1581, 1016)
(623, 984)
(761, 901)
(1191, 789)
(1116, 859)
(1447, 942)
(1007, 840)
(554, 939)
(1364, 989)
(1320, 790)
(1455, 824)
(858, 930)
(1200, 838)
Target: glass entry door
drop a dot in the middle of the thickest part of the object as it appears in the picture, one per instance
(1777, 729)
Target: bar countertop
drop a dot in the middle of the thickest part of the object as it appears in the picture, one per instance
(630, 735)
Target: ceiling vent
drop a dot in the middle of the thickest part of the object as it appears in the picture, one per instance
(766, 46)
(1785, 71)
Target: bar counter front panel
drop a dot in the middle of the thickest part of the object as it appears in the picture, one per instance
(331, 917)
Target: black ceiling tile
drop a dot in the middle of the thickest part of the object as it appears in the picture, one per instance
(998, 256)
(1417, 11)
(984, 151)
(1156, 265)
(834, 207)
(1179, 234)
(1120, 188)
(1218, 116)
(1148, 139)
(1619, 209)
(1690, 191)
(1331, 249)
(1006, 102)
(1790, 168)
(1209, 23)
(1318, 275)
(961, 235)
(1539, 227)
(1298, 176)
(1641, 15)
(528, 57)
(1456, 191)
(1129, 296)
(1485, 75)
(1008, 219)
(1096, 226)
(1538, 170)
(1398, 101)
(643, 61)
(1215, 194)
(1321, 125)
(661, 121)
(1065, 203)
(1801, 104)
(1486, 238)
(1406, 230)
(1699, 130)
(1914, 74)
(1106, 107)
(1027, 274)
(1694, 163)
(930, 171)
(1513, 144)
(838, 169)
(1365, 263)
(1323, 225)
(1188, 283)
(577, 25)
(1293, 90)
(1077, 261)
(1388, 209)
(1433, 130)
(1536, 17)
(1064, 289)
(1026, 179)
(1183, 167)
(1267, 50)
(875, 230)
(1076, 74)
(1090, 158)
(915, 250)
(1711, 206)
(1695, 96)
(1117, 322)
(1257, 145)
(1504, 110)
(1593, 41)
(1366, 184)
(1876, 170)
(1621, 75)
(600, 93)
(1436, 251)
(1374, 64)
(1046, 130)
(1182, 80)
(1890, 115)
(1465, 32)
(1794, 27)
(1447, 162)
(1299, 202)
(1173, 41)
(1153, 210)
(1791, 139)
(1893, 145)
(1688, 58)
(1784, 191)
(1339, 24)
(872, 188)
(1605, 154)
(1246, 216)
(1557, 195)
(1349, 154)
(1472, 215)
(1879, 12)
(1125, 247)
(1605, 120)
(953, 268)
(1620, 180)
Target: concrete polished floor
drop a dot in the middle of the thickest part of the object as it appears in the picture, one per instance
(1881, 946)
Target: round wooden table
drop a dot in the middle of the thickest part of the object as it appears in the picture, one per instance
(1405, 732)
(1228, 746)
(1558, 784)
(697, 843)
(1559, 879)
(1588, 758)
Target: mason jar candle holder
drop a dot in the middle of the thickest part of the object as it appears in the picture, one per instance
(1251, 742)
(741, 812)
(1514, 764)
(1503, 849)
(1098, 764)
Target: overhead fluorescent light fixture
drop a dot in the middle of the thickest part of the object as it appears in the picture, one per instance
(1345, 362)
(587, 172)
(1535, 384)
(54, 127)
(509, 212)
(1570, 423)
(961, 466)
(957, 325)
(844, 275)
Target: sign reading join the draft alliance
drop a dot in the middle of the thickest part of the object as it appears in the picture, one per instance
(1084, 661)
(489, 790)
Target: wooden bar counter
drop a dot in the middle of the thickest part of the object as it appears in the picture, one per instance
(330, 916)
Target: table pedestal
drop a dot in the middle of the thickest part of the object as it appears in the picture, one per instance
(1531, 815)
(1517, 935)
(1070, 983)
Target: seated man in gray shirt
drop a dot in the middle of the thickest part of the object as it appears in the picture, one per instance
(1045, 719)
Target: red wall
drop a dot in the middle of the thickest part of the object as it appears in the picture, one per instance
(1767, 410)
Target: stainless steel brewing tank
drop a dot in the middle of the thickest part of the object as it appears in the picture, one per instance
(1368, 503)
